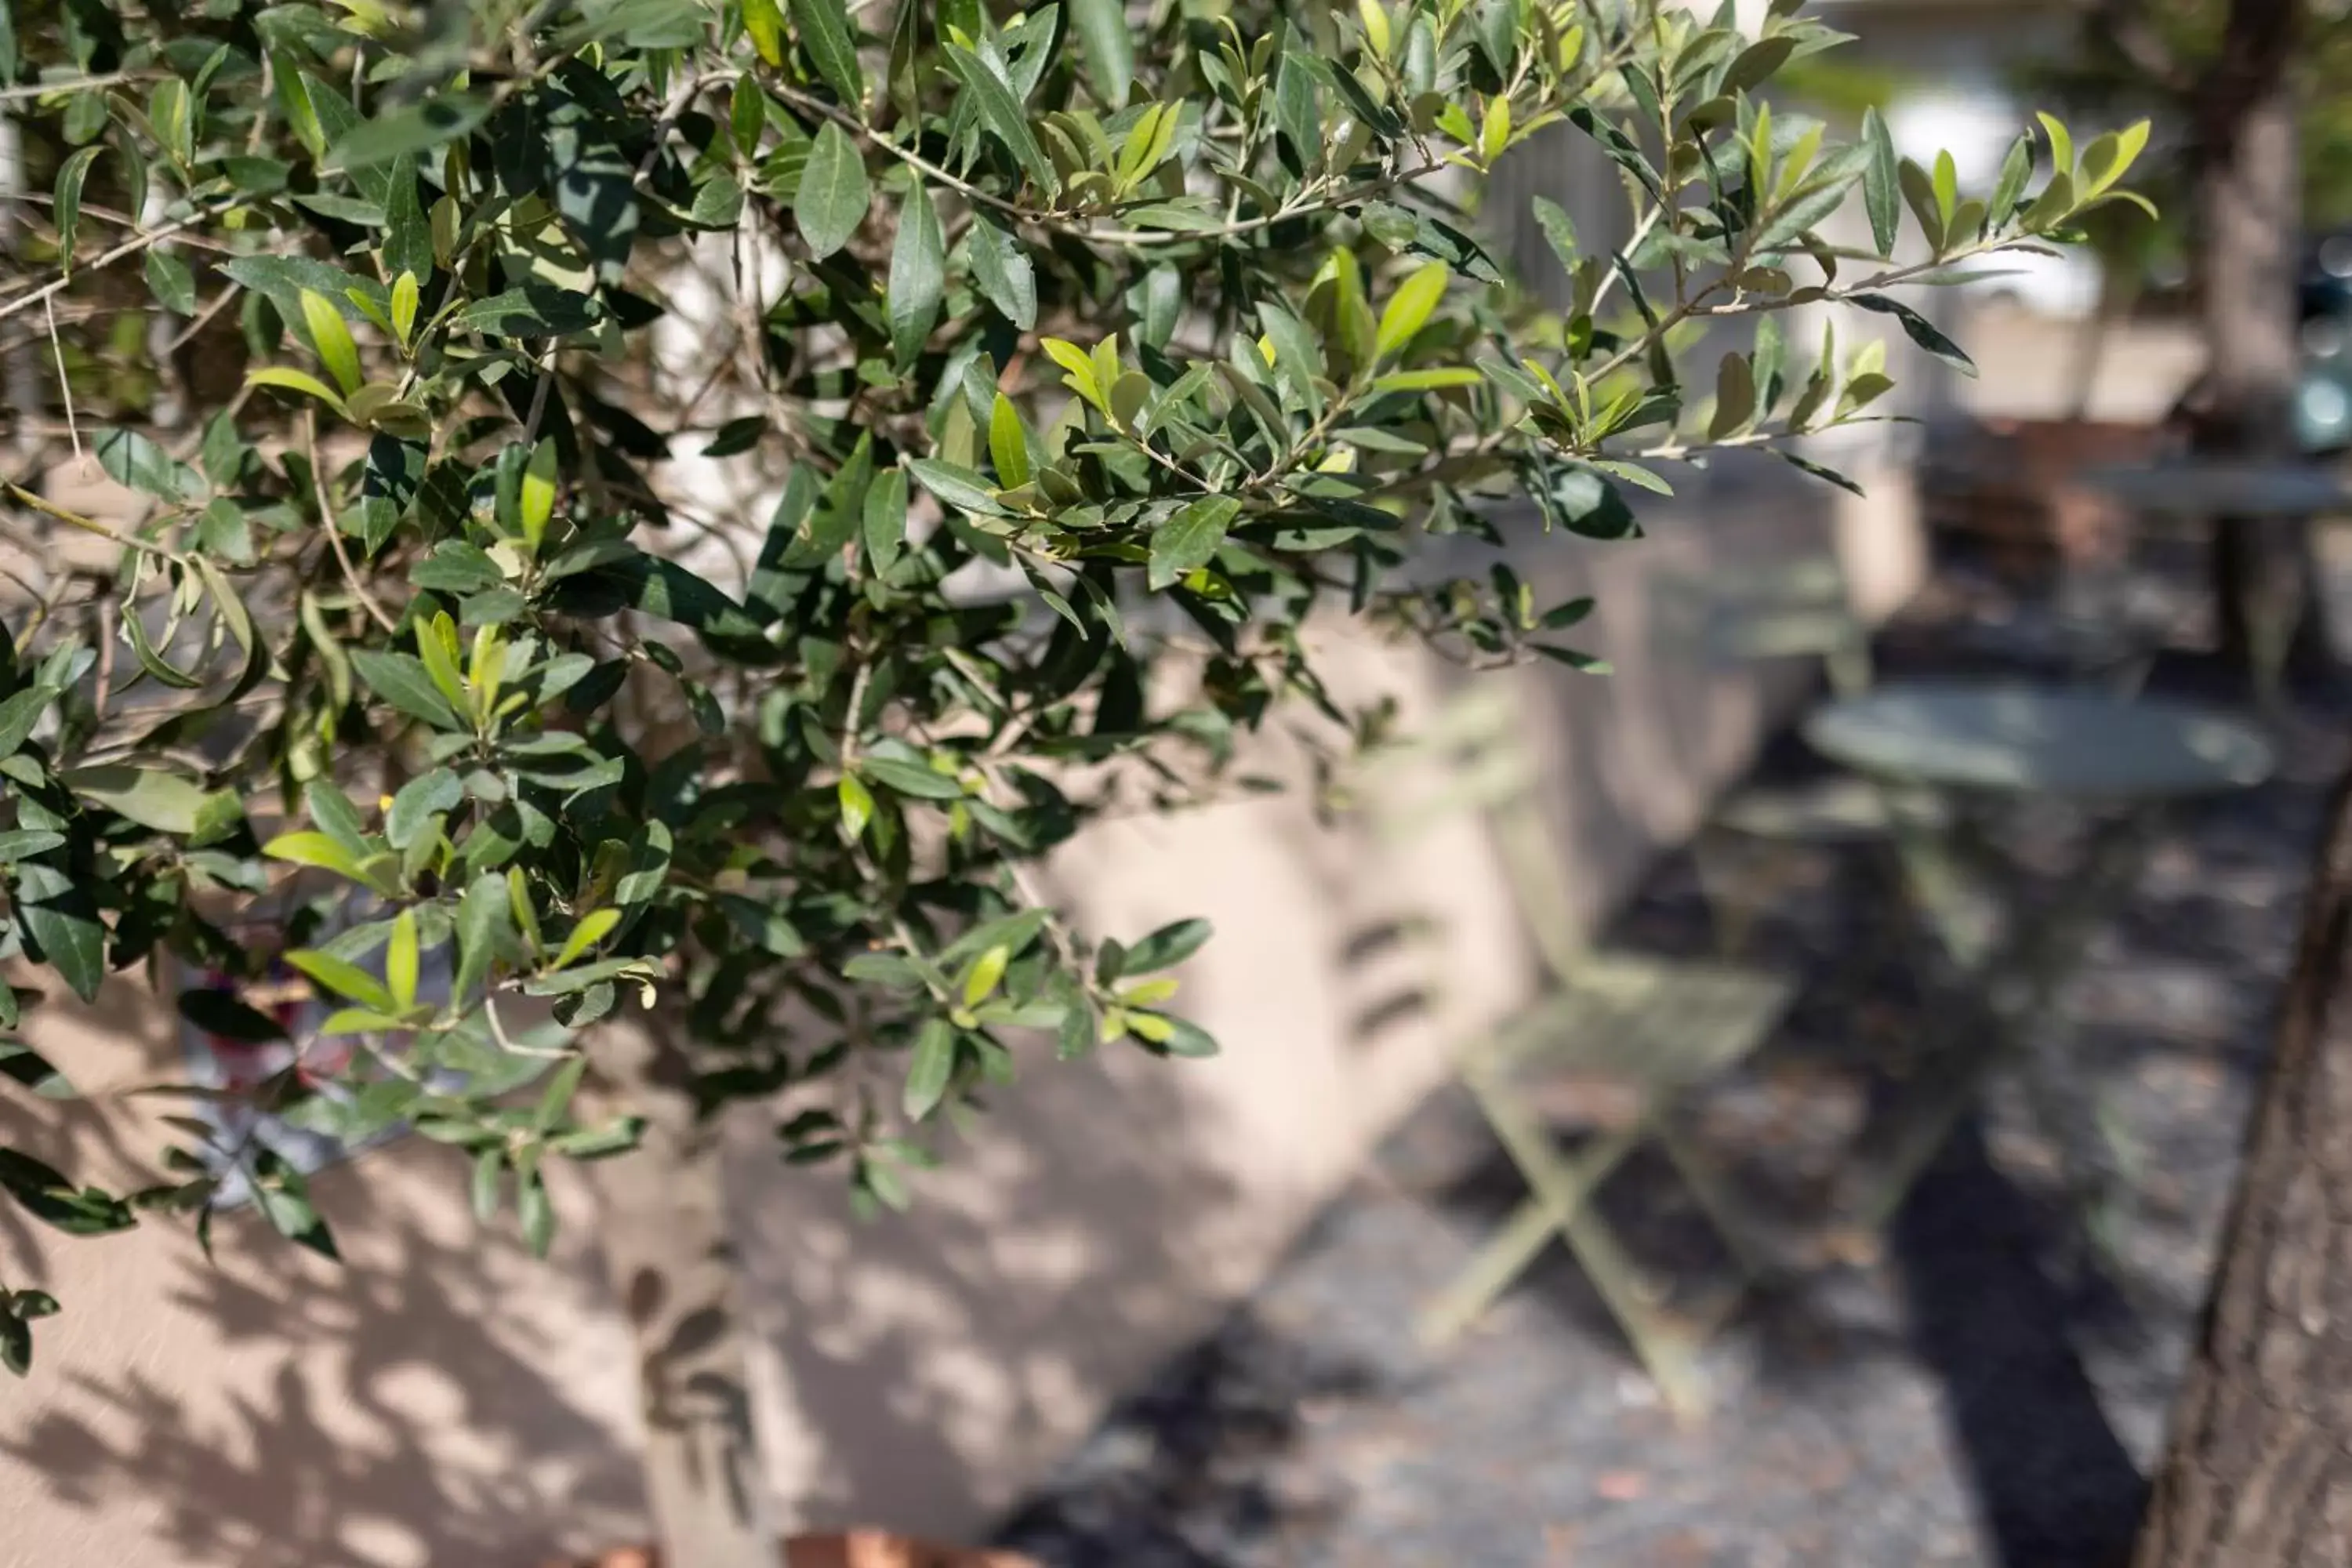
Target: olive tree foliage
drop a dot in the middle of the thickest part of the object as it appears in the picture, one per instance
(2169, 60)
(1077, 356)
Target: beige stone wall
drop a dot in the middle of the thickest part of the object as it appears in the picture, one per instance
(442, 1399)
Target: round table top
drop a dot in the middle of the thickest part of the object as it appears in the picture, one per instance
(2223, 486)
(2041, 739)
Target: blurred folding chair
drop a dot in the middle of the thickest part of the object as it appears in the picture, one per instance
(1796, 608)
(1640, 1029)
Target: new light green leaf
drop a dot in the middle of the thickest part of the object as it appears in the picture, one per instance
(293, 91)
(763, 20)
(987, 973)
(315, 849)
(403, 308)
(856, 804)
(402, 960)
(2110, 156)
(535, 494)
(1410, 308)
(165, 801)
(290, 380)
(332, 340)
(1430, 380)
(344, 978)
(2062, 142)
(594, 928)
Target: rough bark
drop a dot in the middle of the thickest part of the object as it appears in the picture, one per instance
(670, 1250)
(2248, 235)
(2259, 1472)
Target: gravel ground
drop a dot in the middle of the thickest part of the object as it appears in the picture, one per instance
(1981, 1389)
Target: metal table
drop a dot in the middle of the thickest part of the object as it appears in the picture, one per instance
(2270, 491)
(2201, 488)
(1969, 752)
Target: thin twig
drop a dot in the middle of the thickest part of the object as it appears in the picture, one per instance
(109, 215)
(264, 97)
(87, 524)
(1361, 191)
(376, 612)
(506, 1043)
(130, 246)
(684, 94)
(202, 319)
(72, 84)
(105, 684)
(538, 394)
(65, 383)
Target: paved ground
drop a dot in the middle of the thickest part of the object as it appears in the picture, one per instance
(1979, 1393)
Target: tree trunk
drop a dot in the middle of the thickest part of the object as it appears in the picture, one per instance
(2258, 1474)
(671, 1254)
(2248, 235)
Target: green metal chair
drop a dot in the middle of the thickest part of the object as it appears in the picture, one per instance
(1644, 1029)
(1793, 608)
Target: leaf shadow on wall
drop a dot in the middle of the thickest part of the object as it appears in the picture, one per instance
(270, 1409)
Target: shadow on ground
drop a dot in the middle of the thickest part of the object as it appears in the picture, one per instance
(1978, 1390)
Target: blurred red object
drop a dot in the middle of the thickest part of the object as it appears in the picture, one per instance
(844, 1549)
(2011, 487)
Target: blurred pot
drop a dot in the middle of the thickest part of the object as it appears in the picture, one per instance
(843, 1549)
(2011, 488)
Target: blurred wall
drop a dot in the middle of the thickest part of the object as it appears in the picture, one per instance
(443, 1399)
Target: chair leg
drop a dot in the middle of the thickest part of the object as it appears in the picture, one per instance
(1667, 1347)
(1502, 1260)
(1944, 1092)
(1726, 888)
(1507, 1257)
(2012, 991)
(1716, 1201)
